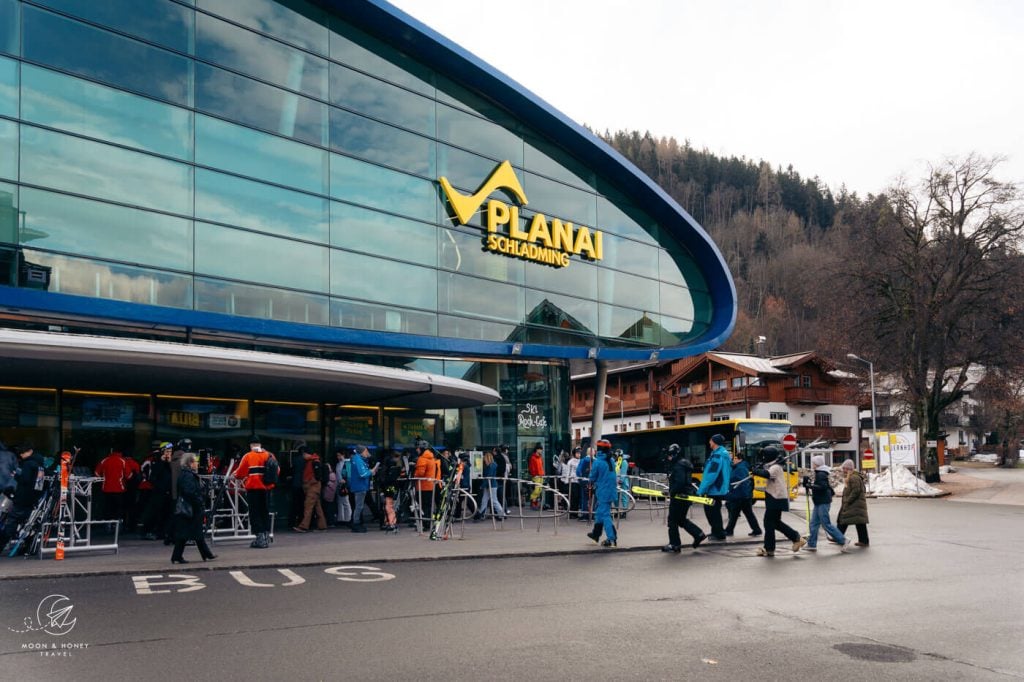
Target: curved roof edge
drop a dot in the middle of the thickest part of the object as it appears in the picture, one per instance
(386, 21)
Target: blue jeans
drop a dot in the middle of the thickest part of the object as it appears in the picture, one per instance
(603, 515)
(819, 519)
(357, 510)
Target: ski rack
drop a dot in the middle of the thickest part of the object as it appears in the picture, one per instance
(77, 514)
(235, 509)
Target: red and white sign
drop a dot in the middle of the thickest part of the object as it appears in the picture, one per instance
(789, 442)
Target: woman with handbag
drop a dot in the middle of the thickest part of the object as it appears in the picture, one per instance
(188, 512)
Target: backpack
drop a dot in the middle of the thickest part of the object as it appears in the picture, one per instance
(271, 470)
(318, 471)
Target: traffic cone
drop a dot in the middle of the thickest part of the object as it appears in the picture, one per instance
(59, 554)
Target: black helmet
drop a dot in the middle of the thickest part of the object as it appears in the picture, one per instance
(673, 450)
(185, 445)
(769, 453)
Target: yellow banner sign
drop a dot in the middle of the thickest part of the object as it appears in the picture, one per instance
(550, 242)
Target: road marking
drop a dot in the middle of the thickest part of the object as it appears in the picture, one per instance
(144, 584)
(293, 578)
(371, 574)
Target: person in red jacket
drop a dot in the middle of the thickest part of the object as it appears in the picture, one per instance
(114, 470)
(257, 493)
(536, 469)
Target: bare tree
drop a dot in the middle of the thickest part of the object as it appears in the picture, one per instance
(929, 275)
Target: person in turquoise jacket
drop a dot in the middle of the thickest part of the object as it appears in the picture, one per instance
(602, 477)
(714, 483)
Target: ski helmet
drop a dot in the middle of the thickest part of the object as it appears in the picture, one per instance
(673, 450)
(603, 445)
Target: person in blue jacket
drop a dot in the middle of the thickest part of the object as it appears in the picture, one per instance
(740, 498)
(359, 484)
(602, 478)
(714, 483)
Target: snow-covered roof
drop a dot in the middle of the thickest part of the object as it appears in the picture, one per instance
(752, 363)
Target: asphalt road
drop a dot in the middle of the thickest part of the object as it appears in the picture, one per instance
(938, 596)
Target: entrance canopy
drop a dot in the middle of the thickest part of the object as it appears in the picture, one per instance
(99, 363)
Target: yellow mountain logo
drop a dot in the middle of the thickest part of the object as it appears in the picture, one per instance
(502, 177)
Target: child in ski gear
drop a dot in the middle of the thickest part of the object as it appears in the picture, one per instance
(740, 498)
(776, 501)
(714, 483)
(854, 509)
(821, 494)
(602, 476)
(391, 473)
(680, 482)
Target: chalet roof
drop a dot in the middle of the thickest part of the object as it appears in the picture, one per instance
(748, 363)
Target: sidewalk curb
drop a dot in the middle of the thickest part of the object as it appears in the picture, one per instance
(195, 566)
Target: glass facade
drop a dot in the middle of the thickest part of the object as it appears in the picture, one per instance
(266, 159)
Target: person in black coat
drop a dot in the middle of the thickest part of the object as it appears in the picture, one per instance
(680, 482)
(28, 490)
(189, 526)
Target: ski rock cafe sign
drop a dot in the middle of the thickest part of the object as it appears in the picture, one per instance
(531, 421)
(539, 239)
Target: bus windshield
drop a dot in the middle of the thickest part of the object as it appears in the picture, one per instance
(755, 435)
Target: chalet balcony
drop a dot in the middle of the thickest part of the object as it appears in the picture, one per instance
(727, 396)
(633, 403)
(840, 434)
(887, 423)
(797, 395)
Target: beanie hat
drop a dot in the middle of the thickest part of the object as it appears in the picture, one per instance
(817, 462)
(718, 439)
(848, 464)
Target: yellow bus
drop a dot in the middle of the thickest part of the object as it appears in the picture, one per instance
(647, 448)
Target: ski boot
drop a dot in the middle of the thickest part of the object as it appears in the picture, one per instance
(262, 541)
(595, 534)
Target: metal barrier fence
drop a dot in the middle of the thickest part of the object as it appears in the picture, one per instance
(78, 513)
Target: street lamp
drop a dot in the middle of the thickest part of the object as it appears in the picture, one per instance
(621, 417)
(874, 427)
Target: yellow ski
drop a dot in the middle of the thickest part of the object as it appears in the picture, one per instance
(651, 492)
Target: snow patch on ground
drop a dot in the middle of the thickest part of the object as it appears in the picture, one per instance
(901, 482)
(991, 458)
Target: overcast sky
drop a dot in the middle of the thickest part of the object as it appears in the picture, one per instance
(855, 92)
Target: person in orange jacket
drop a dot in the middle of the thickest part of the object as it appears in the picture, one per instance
(428, 468)
(257, 492)
(535, 466)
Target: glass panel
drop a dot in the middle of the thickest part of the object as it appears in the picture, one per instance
(260, 155)
(457, 96)
(476, 134)
(468, 329)
(361, 229)
(367, 95)
(91, 228)
(194, 418)
(702, 306)
(98, 423)
(296, 21)
(463, 253)
(286, 427)
(382, 143)
(351, 46)
(76, 165)
(364, 183)
(380, 318)
(237, 254)
(465, 171)
(106, 57)
(556, 200)
(82, 107)
(8, 86)
(579, 279)
(676, 301)
(8, 219)
(241, 50)
(630, 256)
(614, 218)
(563, 312)
(480, 298)
(117, 282)
(540, 158)
(675, 332)
(621, 289)
(8, 150)
(262, 106)
(678, 266)
(158, 21)
(633, 325)
(262, 302)
(245, 203)
(376, 279)
(9, 26)
(30, 416)
(668, 271)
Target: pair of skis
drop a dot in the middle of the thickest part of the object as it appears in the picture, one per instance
(51, 506)
(441, 526)
(652, 492)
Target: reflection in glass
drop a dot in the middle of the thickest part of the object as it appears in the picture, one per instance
(260, 155)
(246, 203)
(619, 288)
(248, 256)
(92, 228)
(376, 279)
(95, 53)
(464, 253)
(668, 271)
(475, 134)
(360, 229)
(630, 256)
(379, 318)
(364, 183)
(295, 21)
(383, 101)
(379, 142)
(466, 171)
(242, 50)
(475, 330)
(612, 217)
(676, 301)
(676, 331)
(8, 86)
(562, 312)
(480, 298)
(677, 264)
(627, 324)
(78, 106)
(261, 302)
(579, 279)
(157, 21)
(540, 158)
(560, 201)
(83, 277)
(9, 25)
(99, 170)
(8, 219)
(262, 106)
(8, 150)
(354, 48)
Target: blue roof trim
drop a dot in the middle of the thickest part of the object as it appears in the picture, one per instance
(394, 26)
